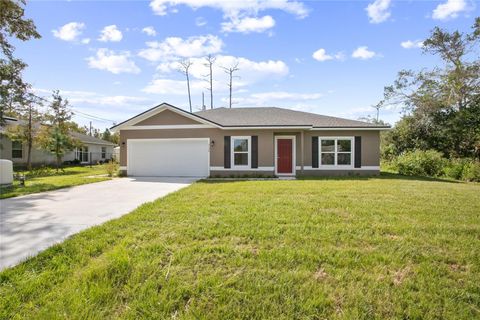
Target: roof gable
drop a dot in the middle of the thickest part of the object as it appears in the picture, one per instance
(167, 117)
(132, 122)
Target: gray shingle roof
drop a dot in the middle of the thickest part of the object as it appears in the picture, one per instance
(85, 138)
(271, 116)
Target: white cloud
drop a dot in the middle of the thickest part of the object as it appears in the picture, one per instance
(378, 11)
(248, 24)
(110, 33)
(173, 87)
(291, 100)
(233, 8)
(449, 9)
(174, 47)
(200, 21)
(240, 16)
(250, 72)
(85, 41)
(283, 95)
(321, 55)
(149, 31)
(409, 44)
(114, 62)
(70, 31)
(363, 53)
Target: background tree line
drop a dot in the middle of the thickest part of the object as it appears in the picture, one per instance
(441, 109)
(49, 130)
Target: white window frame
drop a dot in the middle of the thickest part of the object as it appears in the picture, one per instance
(103, 154)
(335, 152)
(232, 152)
(16, 149)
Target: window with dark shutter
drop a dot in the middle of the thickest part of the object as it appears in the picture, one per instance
(255, 152)
(358, 152)
(314, 152)
(226, 152)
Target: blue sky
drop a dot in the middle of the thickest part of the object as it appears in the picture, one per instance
(116, 59)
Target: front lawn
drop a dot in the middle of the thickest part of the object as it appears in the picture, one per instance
(70, 176)
(345, 248)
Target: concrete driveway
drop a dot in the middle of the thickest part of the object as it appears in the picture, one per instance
(32, 223)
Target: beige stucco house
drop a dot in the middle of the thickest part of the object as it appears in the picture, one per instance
(168, 141)
(92, 150)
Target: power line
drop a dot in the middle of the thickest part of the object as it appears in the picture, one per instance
(82, 114)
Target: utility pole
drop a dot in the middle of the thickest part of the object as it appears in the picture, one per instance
(203, 101)
(230, 72)
(90, 128)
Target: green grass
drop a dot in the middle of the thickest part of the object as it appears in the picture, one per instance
(344, 248)
(70, 176)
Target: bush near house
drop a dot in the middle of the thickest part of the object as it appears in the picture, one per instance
(430, 163)
(420, 163)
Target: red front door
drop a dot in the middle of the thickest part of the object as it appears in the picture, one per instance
(284, 156)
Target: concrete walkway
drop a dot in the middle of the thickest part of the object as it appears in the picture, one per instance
(32, 223)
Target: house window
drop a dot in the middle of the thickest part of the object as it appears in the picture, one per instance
(336, 151)
(104, 152)
(241, 151)
(82, 154)
(17, 150)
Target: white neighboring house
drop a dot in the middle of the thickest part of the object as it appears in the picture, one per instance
(93, 150)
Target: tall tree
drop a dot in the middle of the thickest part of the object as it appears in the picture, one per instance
(27, 129)
(12, 25)
(184, 67)
(55, 134)
(230, 70)
(438, 103)
(210, 60)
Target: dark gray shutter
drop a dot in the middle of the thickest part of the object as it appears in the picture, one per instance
(226, 152)
(314, 152)
(255, 152)
(358, 152)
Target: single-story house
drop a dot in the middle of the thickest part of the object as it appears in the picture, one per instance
(92, 149)
(169, 141)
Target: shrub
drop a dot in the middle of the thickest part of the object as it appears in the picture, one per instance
(471, 171)
(420, 163)
(454, 168)
(42, 171)
(111, 167)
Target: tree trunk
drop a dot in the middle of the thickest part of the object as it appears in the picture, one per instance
(231, 90)
(30, 139)
(189, 96)
(211, 87)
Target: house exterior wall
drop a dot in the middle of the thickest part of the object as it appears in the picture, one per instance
(95, 150)
(370, 155)
(42, 157)
(166, 117)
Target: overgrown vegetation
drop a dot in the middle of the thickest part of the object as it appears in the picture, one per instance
(388, 247)
(441, 106)
(111, 167)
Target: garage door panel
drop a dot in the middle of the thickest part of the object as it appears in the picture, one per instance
(172, 157)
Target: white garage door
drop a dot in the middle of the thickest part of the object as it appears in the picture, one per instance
(168, 157)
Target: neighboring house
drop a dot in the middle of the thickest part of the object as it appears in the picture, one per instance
(168, 141)
(92, 150)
